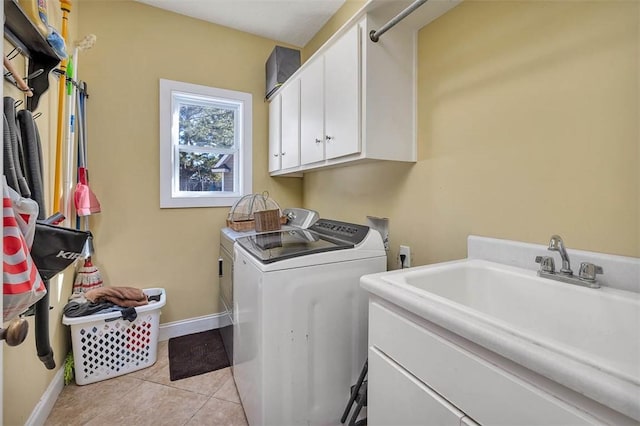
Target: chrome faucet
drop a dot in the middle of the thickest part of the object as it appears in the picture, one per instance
(556, 244)
(587, 273)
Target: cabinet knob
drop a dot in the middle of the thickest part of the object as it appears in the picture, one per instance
(329, 138)
(283, 153)
(318, 140)
(276, 155)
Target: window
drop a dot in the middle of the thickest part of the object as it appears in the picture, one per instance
(205, 145)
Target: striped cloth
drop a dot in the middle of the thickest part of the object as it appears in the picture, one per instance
(22, 284)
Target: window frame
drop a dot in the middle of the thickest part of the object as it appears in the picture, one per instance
(170, 197)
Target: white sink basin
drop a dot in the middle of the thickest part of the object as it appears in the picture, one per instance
(569, 333)
(599, 325)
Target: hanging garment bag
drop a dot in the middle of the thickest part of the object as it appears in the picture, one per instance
(22, 284)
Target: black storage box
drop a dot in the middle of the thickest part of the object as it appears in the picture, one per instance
(281, 64)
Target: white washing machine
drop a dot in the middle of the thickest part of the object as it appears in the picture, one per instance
(300, 320)
(296, 218)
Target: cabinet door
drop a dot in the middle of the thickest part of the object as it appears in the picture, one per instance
(481, 387)
(274, 133)
(342, 95)
(290, 137)
(397, 398)
(312, 112)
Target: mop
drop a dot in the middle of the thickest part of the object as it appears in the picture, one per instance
(72, 71)
(85, 200)
(87, 276)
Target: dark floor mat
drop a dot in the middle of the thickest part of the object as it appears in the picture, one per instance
(195, 354)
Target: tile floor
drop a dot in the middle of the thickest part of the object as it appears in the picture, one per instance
(148, 397)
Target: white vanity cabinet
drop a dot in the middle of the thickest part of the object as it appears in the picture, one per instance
(420, 373)
(398, 398)
(357, 98)
(284, 128)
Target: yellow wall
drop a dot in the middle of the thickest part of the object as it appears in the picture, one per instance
(528, 126)
(137, 243)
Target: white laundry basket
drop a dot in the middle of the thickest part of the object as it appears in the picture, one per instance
(106, 345)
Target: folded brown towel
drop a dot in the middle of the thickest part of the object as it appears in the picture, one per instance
(121, 296)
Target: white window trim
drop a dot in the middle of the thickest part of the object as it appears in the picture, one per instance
(167, 160)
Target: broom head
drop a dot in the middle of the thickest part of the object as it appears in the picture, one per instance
(85, 200)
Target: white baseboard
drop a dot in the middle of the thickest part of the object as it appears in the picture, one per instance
(47, 400)
(193, 325)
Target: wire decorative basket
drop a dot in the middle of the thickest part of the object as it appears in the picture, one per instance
(267, 220)
(256, 211)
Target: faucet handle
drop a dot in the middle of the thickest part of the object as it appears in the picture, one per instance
(588, 271)
(547, 264)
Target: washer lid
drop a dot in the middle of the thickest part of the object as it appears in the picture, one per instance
(273, 246)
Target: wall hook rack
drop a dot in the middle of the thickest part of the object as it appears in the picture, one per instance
(12, 76)
(16, 51)
(34, 74)
(28, 41)
(58, 72)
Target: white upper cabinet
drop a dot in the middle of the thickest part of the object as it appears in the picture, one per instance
(357, 98)
(284, 129)
(342, 95)
(330, 102)
(290, 127)
(312, 113)
(275, 114)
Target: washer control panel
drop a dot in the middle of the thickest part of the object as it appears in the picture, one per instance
(351, 232)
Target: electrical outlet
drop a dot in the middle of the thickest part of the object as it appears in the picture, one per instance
(406, 251)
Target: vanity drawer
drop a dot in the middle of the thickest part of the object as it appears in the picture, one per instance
(397, 398)
(485, 392)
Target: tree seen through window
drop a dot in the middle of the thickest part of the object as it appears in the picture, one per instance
(202, 129)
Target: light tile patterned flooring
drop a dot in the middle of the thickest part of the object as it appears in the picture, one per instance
(148, 397)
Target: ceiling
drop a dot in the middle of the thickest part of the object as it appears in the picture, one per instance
(289, 21)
